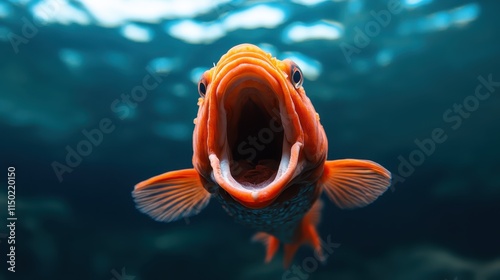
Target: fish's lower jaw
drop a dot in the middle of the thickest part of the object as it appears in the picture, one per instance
(260, 194)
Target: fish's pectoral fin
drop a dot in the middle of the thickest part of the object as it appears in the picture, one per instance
(307, 233)
(272, 244)
(352, 183)
(172, 195)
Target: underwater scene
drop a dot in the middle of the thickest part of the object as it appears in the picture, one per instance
(231, 98)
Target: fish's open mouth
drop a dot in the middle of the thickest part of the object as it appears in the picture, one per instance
(254, 134)
(258, 155)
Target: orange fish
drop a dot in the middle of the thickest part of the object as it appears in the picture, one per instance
(260, 150)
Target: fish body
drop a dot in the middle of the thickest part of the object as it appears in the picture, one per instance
(281, 218)
(260, 150)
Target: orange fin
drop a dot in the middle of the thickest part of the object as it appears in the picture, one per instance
(172, 195)
(307, 234)
(272, 244)
(352, 183)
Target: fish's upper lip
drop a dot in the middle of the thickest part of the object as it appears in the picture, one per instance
(249, 69)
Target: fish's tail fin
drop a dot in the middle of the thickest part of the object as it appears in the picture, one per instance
(306, 233)
(272, 244)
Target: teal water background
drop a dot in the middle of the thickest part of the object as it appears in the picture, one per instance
(411, 84)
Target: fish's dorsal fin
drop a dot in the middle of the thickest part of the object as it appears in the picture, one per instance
(353, 183)
(171, 196)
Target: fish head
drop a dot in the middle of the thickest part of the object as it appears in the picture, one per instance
(256, 132)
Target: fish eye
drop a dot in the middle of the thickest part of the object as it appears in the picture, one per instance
(297, 77)
(202, 87)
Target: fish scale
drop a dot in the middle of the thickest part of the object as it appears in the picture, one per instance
(279, 219)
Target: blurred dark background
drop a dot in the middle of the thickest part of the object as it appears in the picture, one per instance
(383, 75)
